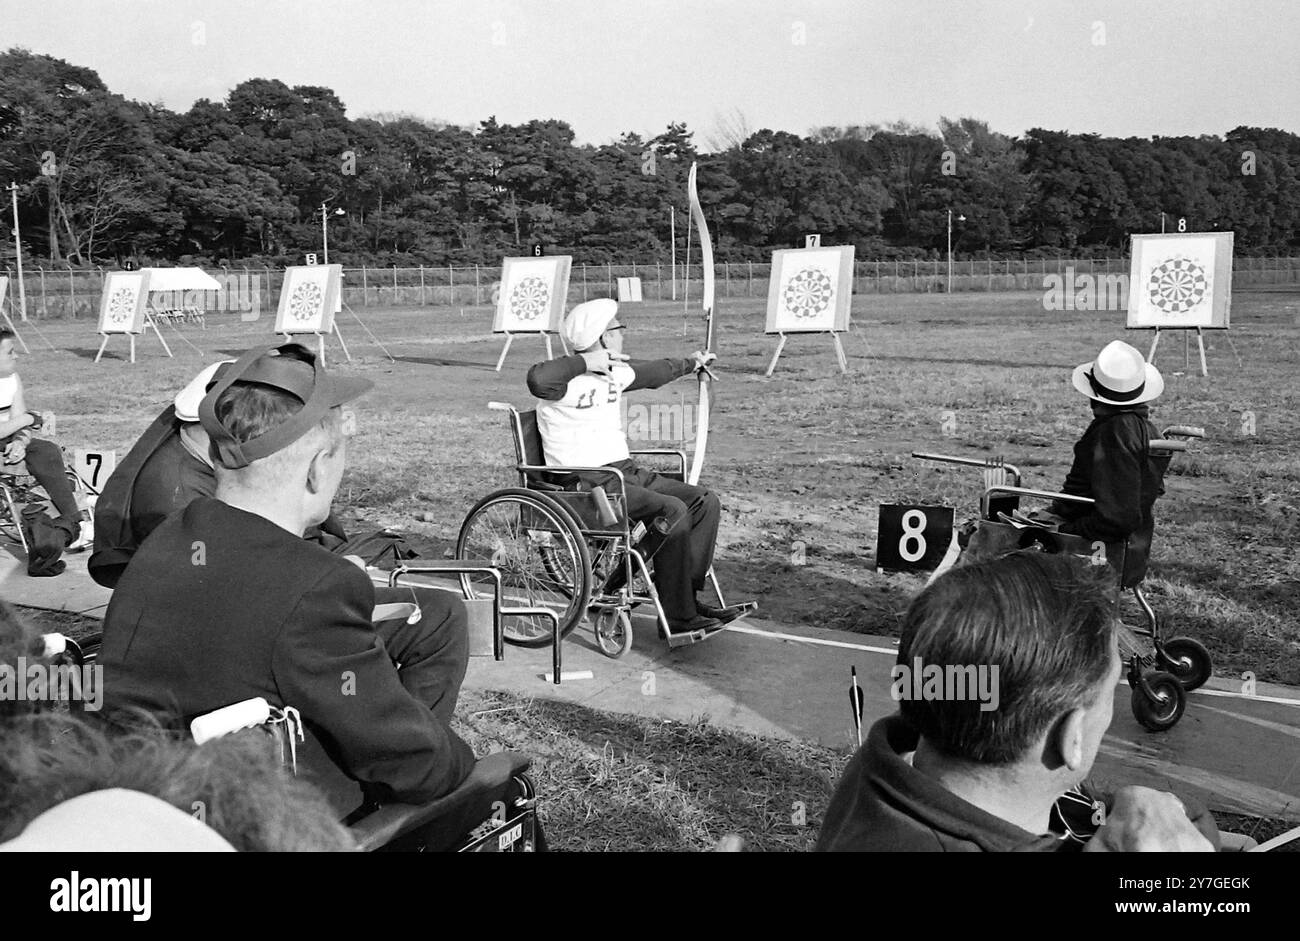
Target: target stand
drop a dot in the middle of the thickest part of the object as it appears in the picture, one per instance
(124, 310)
(320, 341)
(840, 355)
(148, 322)
(544, 334)
(1187, 338)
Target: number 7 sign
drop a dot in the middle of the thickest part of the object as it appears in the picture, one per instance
(913, 538)
(94, 467)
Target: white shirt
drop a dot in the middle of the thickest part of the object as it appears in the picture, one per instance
(585, 428)
(8, 389)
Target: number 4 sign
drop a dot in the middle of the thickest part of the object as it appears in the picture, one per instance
(913, 538)
(94, 467)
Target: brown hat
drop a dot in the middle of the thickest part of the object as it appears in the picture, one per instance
(301, 375)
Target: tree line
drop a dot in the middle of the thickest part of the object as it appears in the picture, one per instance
(102, 179)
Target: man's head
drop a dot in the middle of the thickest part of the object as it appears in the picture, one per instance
(8, 355)
(594, 324)
(276, 431)
(1048, 624)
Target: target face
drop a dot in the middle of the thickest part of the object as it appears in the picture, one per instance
(532, 294)
(808, 294)
(1177, 285)
(121, 306)
(305, 302)
(810, 290)
(1180, 280)
(530, 299)
(309, 298)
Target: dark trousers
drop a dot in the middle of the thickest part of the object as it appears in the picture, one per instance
(45, 462)
(432, 654)
(683, 555)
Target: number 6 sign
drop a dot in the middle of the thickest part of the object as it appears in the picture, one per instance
(912, 538)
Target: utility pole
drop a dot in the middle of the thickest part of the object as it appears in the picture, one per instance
(18, 253)
(672, 228)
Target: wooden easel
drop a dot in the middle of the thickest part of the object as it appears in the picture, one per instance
(320, 341)
(835, 337)
(148, 322)
(1200, 346)
(545, 334)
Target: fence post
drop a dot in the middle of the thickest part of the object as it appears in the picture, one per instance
(45, 304)
(478, 299)
(421, 285)
(451, 285)
(659, 279)
(394, 284)
(365, 287)
(609, 277)
(749, 284)
(726, 277)
(72, 288)
(584, 282)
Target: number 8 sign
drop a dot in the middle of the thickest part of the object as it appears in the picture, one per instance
(913, 538)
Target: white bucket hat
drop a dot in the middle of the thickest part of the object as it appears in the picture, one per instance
(1119, 376)
(188, 399)
(586, 322)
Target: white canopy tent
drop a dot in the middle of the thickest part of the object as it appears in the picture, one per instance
(181, 279)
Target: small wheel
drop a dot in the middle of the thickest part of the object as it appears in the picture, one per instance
(613, 632)
(1164, 711)
(541, 555)
(1187, 659)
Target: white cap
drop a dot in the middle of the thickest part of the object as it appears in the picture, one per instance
(586, 322)
(188, 399)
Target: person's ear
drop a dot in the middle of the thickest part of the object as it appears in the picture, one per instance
(316, 470)
(1070, 735)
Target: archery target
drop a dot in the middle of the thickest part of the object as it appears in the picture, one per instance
(810, 290)
(308, 299)
(1180, 280)
(532, 295)
(122, 304)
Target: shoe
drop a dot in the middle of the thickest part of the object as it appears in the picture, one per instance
(725, 615)
(85, 539)
(697, 624)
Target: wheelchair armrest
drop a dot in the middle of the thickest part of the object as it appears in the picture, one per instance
(491, 773)
(968, 462)
(1007, 490)
(567, 469)
(1162, 444)
(455, 566)
(1183, 431)
(664, 452)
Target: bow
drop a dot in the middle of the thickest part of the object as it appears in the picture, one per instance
(705, 377)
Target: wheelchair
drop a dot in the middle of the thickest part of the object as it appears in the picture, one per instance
(568, 547)
(17, 486)
(1159, 680)
(455, 822)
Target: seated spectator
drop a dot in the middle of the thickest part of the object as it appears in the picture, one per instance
(225, 601)
(171, 465)
(69, 783)
(42, 459)
(947, 775)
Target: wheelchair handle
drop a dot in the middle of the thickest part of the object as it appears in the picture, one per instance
(1183, 431)
(1160, 444)
(501, 406)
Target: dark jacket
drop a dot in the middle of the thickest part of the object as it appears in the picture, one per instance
(1113, 465)
(157, 477)
(219, 605)
(549, 380)
(883, 804)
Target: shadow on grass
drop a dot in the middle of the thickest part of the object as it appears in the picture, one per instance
(430, 361)
(614, 782)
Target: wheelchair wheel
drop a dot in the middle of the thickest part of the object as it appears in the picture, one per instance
(542, 557)
(1162, 712)
(613, 632)
(1187, 659)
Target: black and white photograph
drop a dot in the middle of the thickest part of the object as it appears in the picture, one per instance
(650, 427)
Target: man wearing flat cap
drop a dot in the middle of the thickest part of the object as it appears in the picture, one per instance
(225, 601)
(581, 424)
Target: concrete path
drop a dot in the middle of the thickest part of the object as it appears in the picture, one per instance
(1237, 753)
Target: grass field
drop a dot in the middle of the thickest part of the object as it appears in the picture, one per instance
(804, 459)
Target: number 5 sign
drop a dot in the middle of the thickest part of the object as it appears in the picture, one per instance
(913, 538)
(94, 467)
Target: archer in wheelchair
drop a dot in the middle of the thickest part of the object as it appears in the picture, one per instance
(225, 602)
(585, 524)
(23, 454)
(1105, 512)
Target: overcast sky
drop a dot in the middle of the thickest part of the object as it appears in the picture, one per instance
(1115, 67)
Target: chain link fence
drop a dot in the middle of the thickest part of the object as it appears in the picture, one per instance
(75, 293)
